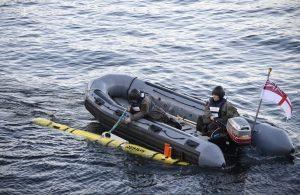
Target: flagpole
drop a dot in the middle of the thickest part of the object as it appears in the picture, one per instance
(270, 70)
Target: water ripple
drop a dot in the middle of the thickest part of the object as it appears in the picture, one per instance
(50, 51)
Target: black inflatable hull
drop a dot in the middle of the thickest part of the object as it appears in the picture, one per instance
(107, 96)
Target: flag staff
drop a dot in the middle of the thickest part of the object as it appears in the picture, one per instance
(270, 70)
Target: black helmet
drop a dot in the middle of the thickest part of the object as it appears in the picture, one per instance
(219, 91)
(134, 94)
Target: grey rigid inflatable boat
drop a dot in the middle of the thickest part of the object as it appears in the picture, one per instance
(107, 96)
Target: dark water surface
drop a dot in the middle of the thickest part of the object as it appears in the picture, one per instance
(51, 49)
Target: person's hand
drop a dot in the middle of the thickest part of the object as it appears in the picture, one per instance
(127, 120)
(212, 118)
(128, 108)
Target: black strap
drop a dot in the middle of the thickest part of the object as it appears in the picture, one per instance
(221, 106)
(130, 85)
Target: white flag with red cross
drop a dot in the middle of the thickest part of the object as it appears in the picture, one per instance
(272, 93)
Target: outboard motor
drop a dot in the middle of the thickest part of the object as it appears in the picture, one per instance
(239, 130)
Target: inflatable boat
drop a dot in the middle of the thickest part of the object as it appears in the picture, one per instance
(107, 97)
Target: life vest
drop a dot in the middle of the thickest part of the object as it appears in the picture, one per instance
(216, 107)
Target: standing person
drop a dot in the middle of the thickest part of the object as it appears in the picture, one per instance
(216, 113)
(142, 105)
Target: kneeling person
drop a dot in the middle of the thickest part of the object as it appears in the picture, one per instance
(216, 113)
(142, 105)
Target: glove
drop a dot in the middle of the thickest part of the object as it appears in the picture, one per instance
(127, 120)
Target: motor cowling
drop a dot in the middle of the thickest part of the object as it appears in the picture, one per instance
(239, 130)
